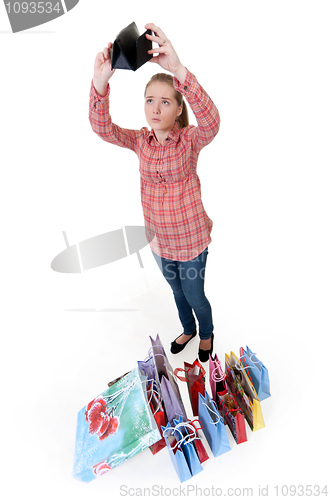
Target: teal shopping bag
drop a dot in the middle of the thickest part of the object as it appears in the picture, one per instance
(113, 427)
(213, 425)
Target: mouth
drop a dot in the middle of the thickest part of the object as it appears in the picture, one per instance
(155, 119)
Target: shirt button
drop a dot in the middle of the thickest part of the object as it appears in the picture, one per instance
(185, 87)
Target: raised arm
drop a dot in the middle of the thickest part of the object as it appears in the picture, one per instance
(99, 115)
(204, 109)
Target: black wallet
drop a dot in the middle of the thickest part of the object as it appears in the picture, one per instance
(130, 50)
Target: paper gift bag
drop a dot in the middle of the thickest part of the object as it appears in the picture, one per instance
(243, 391)
(172, 405)
(114, 427)
(130, 50)
(194, 375)
(173, 413)
(217, 377)
(169, 389)
(159, 415)
(213, 425)
(170, 393)
(233, 417)
(257, 372)
(179, 441)
(200, 448)
(147, 368)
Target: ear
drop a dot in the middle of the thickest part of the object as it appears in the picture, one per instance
(179, 112)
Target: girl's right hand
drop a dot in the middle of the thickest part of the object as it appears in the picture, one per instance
(102, 70)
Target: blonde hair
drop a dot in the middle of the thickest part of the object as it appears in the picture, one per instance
(183, 119)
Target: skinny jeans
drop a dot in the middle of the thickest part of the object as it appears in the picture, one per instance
(186, 278)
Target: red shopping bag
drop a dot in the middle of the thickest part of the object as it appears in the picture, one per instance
(233, 417)
(201, 451)
(195, 378)
(159, 415)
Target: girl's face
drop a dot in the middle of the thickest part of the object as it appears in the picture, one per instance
(161, 108)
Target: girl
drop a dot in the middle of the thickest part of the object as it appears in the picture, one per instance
(177, 225)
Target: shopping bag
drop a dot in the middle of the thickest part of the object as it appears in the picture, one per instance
(179, 440)
(200, 448)
(257, 372)
(147, 368)
(130, 50)
(243, 391)
(114, 427)
(159, 415)
(233, 417)
(217, 377)
(172, 405)
(194, 375)
(213, 425)
(169, 389)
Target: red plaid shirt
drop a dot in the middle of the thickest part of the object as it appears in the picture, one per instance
(178, 227)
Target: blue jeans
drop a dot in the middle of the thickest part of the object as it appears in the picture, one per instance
(187, 282)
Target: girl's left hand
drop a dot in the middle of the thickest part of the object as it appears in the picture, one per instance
(167, 57)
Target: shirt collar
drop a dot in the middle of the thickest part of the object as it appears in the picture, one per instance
(174, 134)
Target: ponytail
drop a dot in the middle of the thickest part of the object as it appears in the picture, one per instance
(183, 119)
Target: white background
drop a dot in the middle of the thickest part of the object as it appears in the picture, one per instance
(265, 184)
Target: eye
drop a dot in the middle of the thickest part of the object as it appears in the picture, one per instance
(149, 101)
(165, 102)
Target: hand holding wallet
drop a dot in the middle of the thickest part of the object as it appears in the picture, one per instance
(130, 50)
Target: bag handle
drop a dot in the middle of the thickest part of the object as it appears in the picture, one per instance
(183, 379)
(184, 439)
(215, 413)
(197, 363)
(229, 410)
(187, 370)
(153, 392)
(214, 375)
(196, 420)
(245, 367)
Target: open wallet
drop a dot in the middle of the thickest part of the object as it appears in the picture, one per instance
(130, 50)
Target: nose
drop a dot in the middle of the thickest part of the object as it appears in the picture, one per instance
(156, 109)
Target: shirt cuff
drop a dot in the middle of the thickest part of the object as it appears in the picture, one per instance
(95, 97)
(186, 85)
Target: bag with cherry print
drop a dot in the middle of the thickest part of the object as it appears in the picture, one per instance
(114, 426)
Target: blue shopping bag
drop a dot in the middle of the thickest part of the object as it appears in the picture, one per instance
(213, 425)
(257, 373)
(180, 444)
